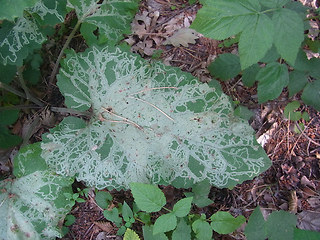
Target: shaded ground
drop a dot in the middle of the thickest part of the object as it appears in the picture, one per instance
(292, 183)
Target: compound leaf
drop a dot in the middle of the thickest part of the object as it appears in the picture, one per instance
(225, 223)
(288, 27)
(150, 123)
(272, 79)
(33, 204)
(149, 198)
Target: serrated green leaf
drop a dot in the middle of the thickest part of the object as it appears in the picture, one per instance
(200, 192)
(150, 123)
(297, 81)
(182, 207)
(69, 220)
(130, 235)
(288, 39)
(226, 66)
(272, 55)
(165, 223)
(256, 229)
(148, 234)
(103, 199)
(33, 205)
(249, 75)
(272, 79)
(280, 225)
(221, 19)
(255, 40)
(149, 198)
(127, 213)
(113, 18)
(182, 232)
(202, 230)
(305, 235)
(113, 216)
(11, 9)
(311, 94)
(225, 223)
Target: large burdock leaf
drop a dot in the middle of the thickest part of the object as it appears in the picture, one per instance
(33, 204)
(111, 17)
(150, 123)
(19, 38)
(10, 9)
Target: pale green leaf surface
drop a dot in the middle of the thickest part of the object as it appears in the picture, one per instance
(280, 225)
(225, 66)
(130, 235)
(311, 94)
(112, 17)
(288, 33)
(225, 223)
(19, 39)
(182, 207)
(165, 223)
(272, 79)
(221, 19)
(151, 123)
(255, 40)
(255, 229)
(182, 232)
(202, 230)
(148, 198)
(11, 9)
(32, 205)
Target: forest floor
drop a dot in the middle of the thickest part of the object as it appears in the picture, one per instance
(292, 183)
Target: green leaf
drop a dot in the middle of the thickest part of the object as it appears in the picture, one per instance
(221, 19)
(8, 117)
(272, 79)
(290, 113)
(225, 223)
(33, 205)
(149, 198)
(7, 139)
(182, 232)
(130, 235)
(150, 123)
(280, 225)
(69, 220)
(272, 55)
(200, 192)
(274, 3)
(202, 230)
(226, 66)
(243, 112)
(256, 229)
(103, 199)
(249, 75)
(7, 72)
(113, 216)
(165, 223)
(311, 94)
(255, 41)
(127, 213)
(297, 81)
(112, 18)
(182, 207)
(289, 33)
(11, 9)
(148, 234)
(305, 235)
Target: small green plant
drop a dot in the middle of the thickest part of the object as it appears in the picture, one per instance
(292, 114)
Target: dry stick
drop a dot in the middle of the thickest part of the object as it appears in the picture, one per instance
(306, 136)
(20, 94)
(66, 44)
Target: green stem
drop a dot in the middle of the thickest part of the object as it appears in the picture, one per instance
(167, 209)
(66, 44)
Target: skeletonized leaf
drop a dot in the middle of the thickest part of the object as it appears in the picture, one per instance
(151, 123)
(33, 204)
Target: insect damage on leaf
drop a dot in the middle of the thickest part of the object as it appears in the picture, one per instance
(152, 123)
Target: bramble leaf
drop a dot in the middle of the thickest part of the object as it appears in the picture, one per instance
(225, 223)
(272, 79)
(297, 81)
(149, 198)
(225, 66)
(33, 204)
(150, 123)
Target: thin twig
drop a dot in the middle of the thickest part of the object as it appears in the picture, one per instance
(71, 111)
(154, 106)
(66, 44)
(306, 136)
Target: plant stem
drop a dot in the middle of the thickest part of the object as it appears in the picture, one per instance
(66, 44)
(20, 94)
(71, 111)
(167, 209)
